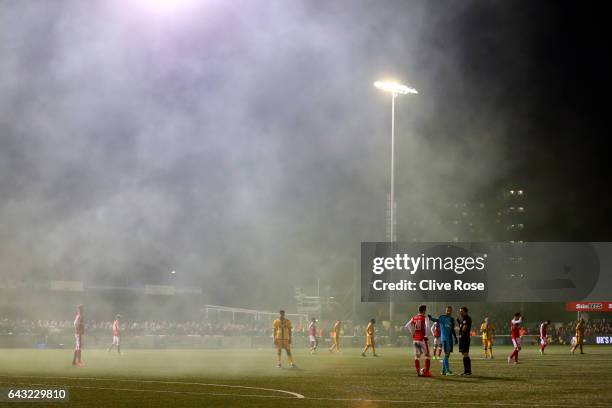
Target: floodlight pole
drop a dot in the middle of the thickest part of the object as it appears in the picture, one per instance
(392, 194)
(395, 89)
(393, 96)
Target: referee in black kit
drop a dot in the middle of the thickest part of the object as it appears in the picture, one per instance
(465, 328)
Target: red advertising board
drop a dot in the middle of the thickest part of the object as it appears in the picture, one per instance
(589, 306)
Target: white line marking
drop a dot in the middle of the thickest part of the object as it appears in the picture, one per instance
(293, 394)
(152, 391)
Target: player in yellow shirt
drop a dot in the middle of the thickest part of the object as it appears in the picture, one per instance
(369, 332)
(579, 336)
(335, 336)
(282, 338)
(487, 330)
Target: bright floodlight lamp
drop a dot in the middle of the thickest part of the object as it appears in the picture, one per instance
(395, 88)
(163, 9)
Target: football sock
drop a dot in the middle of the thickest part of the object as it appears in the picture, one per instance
(417, 365)
(467, 366)
(427, 364)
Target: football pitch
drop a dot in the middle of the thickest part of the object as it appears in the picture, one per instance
(249, 378)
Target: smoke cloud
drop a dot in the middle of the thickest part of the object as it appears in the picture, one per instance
(242, 143)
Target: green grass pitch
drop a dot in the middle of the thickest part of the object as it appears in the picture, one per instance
(215, 378)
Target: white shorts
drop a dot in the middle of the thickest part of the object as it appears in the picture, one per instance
(543, 341)
(312, 338)
(77, 341)
(437, 341)
(516, 341)
(420, 347)
(115, 340)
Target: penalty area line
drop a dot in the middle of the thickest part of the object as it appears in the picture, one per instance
(292, 394)
(194, 393)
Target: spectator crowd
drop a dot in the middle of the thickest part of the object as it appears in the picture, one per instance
(561, 332)
(151, 327)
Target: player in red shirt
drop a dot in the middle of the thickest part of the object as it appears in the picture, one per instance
(312, 336)
(437, 343)
(116, 339)
(515, 334)
(544, 335)
(418, 326)
(79, 331)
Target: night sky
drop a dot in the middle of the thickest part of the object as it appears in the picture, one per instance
(243, 144)
(563, 143)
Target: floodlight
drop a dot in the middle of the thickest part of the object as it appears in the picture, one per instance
(395, 87)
